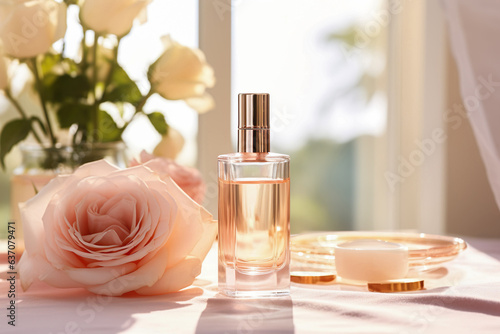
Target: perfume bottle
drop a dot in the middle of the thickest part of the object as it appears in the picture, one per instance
(254, 209)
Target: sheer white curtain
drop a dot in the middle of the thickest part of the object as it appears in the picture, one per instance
(474, 28)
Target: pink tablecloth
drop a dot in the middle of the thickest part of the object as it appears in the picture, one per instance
(463, 296)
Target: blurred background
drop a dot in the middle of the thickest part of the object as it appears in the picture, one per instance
(358, 91)
(327, 96)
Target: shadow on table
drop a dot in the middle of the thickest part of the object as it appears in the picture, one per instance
(53, 310)
(226, 315)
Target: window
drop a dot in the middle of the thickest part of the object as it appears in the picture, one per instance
(323, 62)
(354, 88)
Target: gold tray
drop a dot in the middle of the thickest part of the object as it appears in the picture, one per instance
(426, 251)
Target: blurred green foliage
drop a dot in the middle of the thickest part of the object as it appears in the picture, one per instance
(322, 186)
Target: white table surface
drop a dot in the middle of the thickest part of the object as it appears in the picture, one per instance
(462, 296)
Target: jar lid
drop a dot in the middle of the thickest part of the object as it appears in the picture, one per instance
(311, 277)
(400, 285)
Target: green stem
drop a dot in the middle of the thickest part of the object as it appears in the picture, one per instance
(145, 98)
(111, 71)
(95, 118)
(39, 86)
(21, 111)
(63, 48)
(139, 106)
(84, 52)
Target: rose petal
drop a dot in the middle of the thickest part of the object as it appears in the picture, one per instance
(80, 216)
(175, 278)
(180, 89)
(121, 23)
(96, 168)
(184, 272)
(95, 276)
(112, 16)
(60, 30)
(170, 145)
(202, 103)
(27, 272)
(155, 238)
(30, 212)
(188, 227)
(188, 179)
(180, 72)
(121, 208)
(206, 241)
(111, 236)
(36, 267)
(138, 214)
(143, 246)
(20, 42)
(145, 275)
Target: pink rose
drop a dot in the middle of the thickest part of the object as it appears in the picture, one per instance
(112, 231)
(188, 179)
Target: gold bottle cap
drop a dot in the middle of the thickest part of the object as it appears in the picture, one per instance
(397, 285)
(253, 122)
(310, 277)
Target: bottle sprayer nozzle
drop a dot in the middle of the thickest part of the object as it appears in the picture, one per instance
(253, 123)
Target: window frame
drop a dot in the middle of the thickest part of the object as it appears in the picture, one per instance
(417, 90)
(214, 128)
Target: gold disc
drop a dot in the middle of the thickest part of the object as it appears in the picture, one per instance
(311, 277)
(397, 285)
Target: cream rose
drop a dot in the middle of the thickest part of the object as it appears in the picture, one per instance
(112, 16)
(182, 73)
(30, 27)
(113, 231)
(170, 145)
(188, 179)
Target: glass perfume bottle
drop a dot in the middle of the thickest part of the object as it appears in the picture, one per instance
(254, 209)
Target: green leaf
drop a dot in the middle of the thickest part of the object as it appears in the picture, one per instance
(157, 119)
(70, 88)
(122, 88)
(34, 187)
(48, 81)
(56, 86)
(71, 65)
(73, 113)
(48, 62)
(108, 130)
(12, 133)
